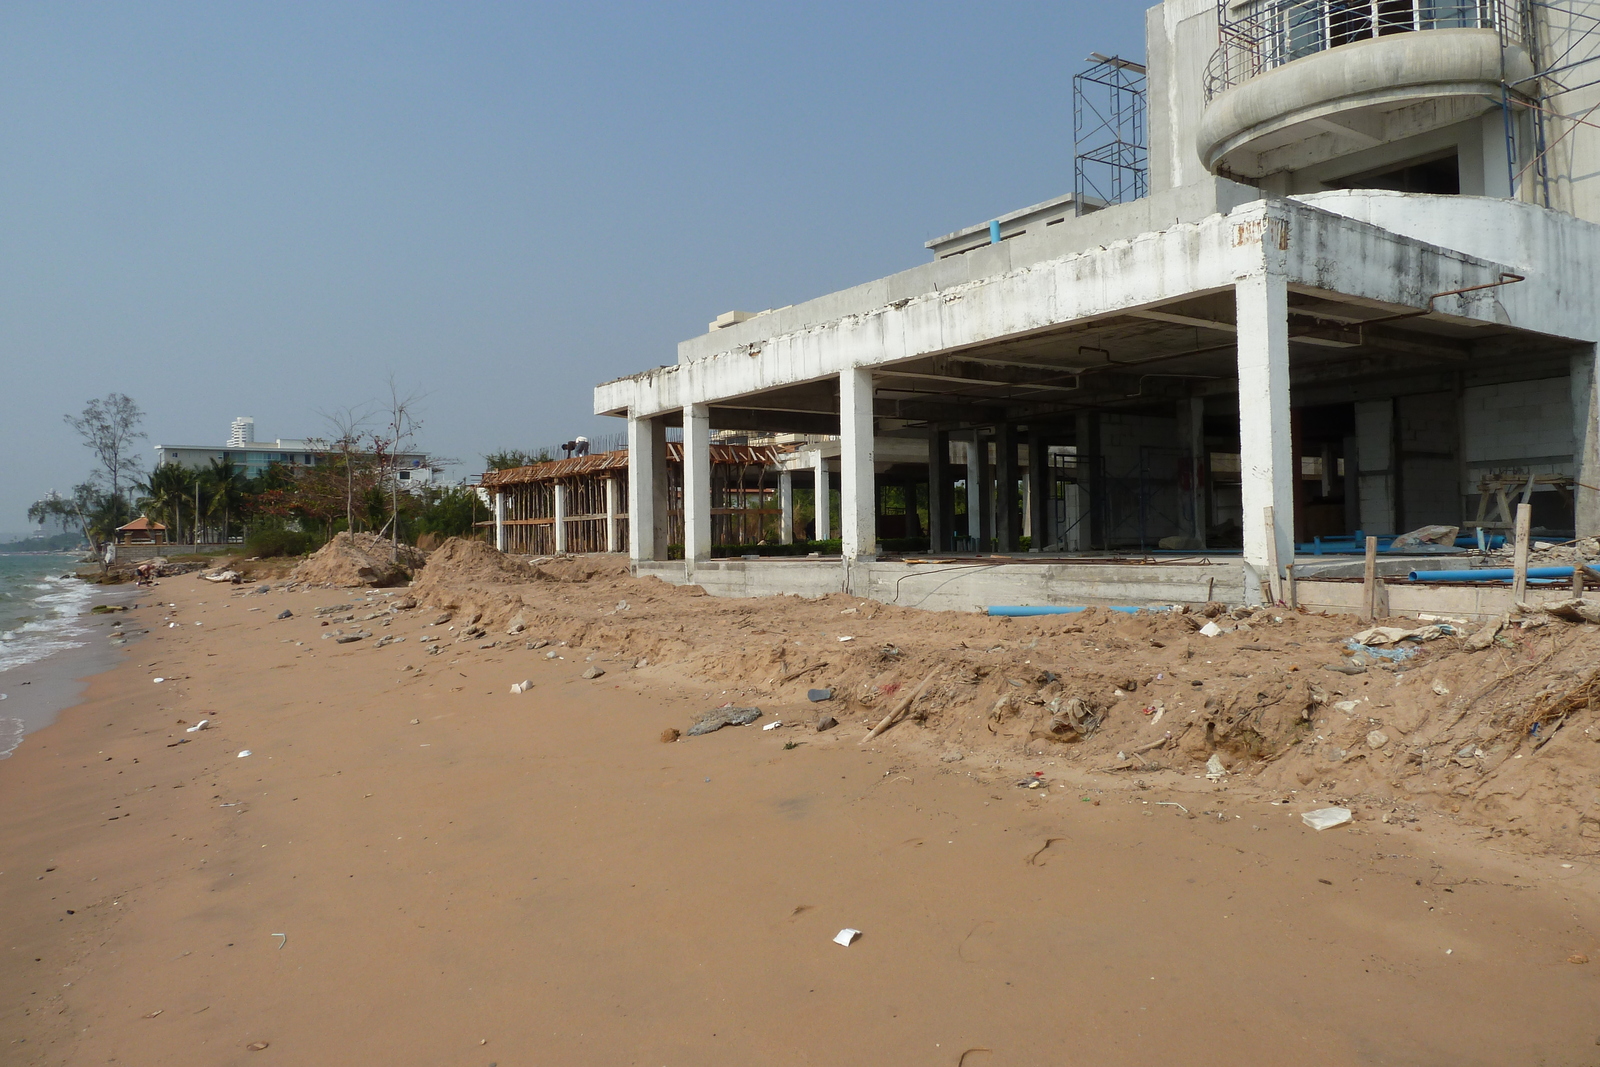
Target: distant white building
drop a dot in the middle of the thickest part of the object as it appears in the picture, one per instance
(243, 433)
(254, 457)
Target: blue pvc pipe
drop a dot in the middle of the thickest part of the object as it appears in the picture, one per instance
(1012, 611)
(994, 232)
(1488, 574)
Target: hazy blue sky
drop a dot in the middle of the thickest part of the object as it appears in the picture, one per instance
(265, 209)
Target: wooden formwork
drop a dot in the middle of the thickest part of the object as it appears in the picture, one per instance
(744, 500)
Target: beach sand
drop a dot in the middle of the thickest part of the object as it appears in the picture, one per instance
(537, 879)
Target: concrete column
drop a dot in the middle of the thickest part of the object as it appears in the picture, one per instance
(858, 504)
(985, 493)
(500, 520)
(786, 502)
(1038, 490)
(613, 520)
(1375, 465)
(1192, 434)
(1266, 465)
(560, 493)
(696, 484)
(1005, 496)
(1586, 440)
(975, 482)
(1086, 517)
(938, 489)
(822, 506)
(647, 489)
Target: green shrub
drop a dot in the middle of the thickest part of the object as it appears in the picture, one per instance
(278, 542)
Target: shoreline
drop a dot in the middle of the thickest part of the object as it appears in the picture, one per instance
(39, 691)
(539, 879)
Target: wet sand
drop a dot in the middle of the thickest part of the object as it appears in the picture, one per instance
(537, 879)
(35, 693)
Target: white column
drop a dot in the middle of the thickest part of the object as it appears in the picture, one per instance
(857, 496)
(1586, 440)
(696, 483)
(560, 517)
(786, 502)
(500, 519)
(822, 520)
(647, 488)
(1265, 459)
(613, 521)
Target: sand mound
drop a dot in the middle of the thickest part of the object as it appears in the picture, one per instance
(584, 568)
(353, 560)
(459, 560)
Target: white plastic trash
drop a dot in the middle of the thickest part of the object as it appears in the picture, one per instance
(197, 727)
(1211, 629)
(243, 753)
(1214, 768)
(772, 725)
(522, 686)
(1326, 818)
(158, 680)
(845, 936)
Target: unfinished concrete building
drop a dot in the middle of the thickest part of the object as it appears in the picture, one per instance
(1343, 280)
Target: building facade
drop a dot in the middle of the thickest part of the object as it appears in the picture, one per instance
(1357, 295)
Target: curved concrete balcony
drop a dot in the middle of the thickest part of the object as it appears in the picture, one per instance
(1355, 96)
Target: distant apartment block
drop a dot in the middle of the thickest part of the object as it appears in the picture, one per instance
(254, 457)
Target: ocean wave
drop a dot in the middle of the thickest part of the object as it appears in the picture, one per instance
(11, 731)
(46, 624)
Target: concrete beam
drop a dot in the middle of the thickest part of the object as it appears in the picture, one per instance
(1319, 250)
(857, 476)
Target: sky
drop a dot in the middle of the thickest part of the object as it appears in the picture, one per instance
(270, 209)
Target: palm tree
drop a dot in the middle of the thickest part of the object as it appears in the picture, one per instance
(226, 485)
(168, 488)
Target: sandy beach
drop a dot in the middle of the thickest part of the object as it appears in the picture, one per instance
(414, 865)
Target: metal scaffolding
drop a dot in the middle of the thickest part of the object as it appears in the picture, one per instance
(1111, 154)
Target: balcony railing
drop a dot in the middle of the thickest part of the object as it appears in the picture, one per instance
(1281, 31)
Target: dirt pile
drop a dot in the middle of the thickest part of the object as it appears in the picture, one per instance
(1495, 725)
(358, 560)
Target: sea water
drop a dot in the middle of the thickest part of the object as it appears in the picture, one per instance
(41, 614)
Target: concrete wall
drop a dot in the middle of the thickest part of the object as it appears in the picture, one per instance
(956, 586)
(1430, 471)
(1519, 424)
(1180, 36)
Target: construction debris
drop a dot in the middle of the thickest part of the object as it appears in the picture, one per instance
(716, 719)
